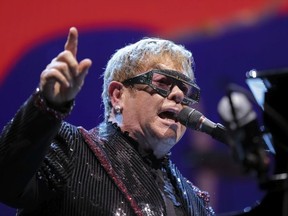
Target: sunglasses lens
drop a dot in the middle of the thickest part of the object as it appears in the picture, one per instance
(165, 82)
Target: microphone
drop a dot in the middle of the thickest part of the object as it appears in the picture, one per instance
(195, 120)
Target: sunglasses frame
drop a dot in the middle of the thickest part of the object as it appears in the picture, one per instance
(147, 78)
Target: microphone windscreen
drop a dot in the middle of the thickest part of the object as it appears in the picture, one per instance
(244, 112)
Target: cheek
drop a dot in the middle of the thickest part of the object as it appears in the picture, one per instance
(143, 109)
(150, 104)
(144, 106)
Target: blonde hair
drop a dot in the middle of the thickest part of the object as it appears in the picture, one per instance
(138, 58)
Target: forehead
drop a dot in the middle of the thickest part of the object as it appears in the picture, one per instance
(168, 64)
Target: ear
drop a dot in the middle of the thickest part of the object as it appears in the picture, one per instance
(115, 92)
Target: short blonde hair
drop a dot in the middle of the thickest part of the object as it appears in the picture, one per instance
(137, 58)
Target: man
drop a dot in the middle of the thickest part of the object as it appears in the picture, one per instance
(121, 167)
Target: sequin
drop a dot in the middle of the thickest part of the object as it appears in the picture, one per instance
(120, 212)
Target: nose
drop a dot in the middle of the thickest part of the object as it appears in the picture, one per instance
(176, 94)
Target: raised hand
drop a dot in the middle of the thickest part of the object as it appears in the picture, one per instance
(63, 78)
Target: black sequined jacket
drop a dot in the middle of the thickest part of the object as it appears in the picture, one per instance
(50, 167)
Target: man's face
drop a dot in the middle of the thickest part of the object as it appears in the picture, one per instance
(150, 118)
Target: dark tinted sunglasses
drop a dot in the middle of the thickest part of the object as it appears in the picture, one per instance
(163, 81)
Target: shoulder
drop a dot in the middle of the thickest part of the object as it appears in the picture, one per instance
(67, 138)
(67, 129)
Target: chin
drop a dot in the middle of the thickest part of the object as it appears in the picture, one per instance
(170, 133)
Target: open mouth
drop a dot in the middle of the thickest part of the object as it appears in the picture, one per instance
(168, 115)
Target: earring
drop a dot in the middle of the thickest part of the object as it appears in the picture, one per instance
(117, 109)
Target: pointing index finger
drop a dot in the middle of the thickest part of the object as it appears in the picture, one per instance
(72, 41)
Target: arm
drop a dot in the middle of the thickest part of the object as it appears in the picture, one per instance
(23, 144)
(25, 140)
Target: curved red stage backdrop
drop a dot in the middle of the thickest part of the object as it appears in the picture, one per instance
(26, 24)
(227, 39)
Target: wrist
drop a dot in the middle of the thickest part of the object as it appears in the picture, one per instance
(58, 111)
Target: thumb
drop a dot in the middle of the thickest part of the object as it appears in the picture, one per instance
(83, 68)
(84, 65)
